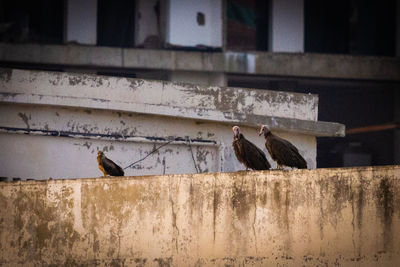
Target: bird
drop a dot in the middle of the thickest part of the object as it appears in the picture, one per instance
(282, 151)
(107, 166)
(247, 153)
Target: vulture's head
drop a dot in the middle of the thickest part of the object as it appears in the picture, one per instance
(236, 131)
(264, 130)
(100, 153)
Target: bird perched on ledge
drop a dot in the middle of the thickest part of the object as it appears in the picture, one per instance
(282, 151)
(247, 153)
(107, 166)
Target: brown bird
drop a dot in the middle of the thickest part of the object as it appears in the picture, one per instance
(282, 151)
(247, 153)
(107, 166)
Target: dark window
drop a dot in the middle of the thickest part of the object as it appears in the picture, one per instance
(39, 21)
(364, 27)
(326, 26)
(115, 23)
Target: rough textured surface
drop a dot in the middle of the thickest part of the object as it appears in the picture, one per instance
(258, 63)
(209, 103)
(342, 217)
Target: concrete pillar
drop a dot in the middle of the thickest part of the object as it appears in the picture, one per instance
(286, 26)
(202, 78)
(81, 22)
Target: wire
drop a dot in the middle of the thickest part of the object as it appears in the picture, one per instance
(116, 137)
(155, 150)
(191, 151)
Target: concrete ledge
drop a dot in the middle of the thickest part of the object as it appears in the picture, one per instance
(329, 217)
(282, 111)
(258, 63)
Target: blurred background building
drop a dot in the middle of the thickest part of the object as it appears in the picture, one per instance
(346, 52)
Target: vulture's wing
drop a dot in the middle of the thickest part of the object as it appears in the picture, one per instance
(288, 144)
(254, 156)
(111, 167)
(237, 147)
(286, 153)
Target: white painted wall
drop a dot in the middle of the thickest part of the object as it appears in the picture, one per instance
(287, 26)
(81, 21)
(41, 157)
(182, 26)
(145, 20)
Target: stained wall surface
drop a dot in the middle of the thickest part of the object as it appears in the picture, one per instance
(344, 217)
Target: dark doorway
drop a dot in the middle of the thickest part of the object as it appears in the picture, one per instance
(115, 23)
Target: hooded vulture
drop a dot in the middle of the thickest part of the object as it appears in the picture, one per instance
(107, 166)
(282, 151)
(247, 153)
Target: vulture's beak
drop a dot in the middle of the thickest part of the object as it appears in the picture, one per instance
(260, 133)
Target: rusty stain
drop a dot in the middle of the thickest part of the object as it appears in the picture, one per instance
(385, 208)
(241, 201)
(360, 203)
(216, 202)
(164, 262)
(174, 225)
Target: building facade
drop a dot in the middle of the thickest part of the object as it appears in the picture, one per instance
(350, 60)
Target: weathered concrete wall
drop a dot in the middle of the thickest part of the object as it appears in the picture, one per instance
(345, 217)
(153, 97)
(75, 157)
(252, 63)
(128, 118)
